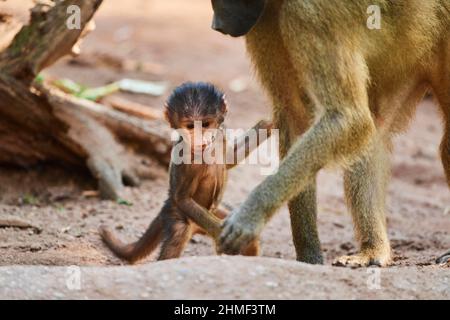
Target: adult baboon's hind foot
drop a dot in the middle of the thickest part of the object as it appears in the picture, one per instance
(363, 260)
(444, 259)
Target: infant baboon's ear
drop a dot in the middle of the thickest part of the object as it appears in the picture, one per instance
(166, 112)
(236, 17)
(169, 116)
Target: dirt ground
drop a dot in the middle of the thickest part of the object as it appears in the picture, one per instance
(177, 40)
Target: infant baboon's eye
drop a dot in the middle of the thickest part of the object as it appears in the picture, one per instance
(205, 124)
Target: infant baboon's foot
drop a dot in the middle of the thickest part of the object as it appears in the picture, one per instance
(252, 250)
(364, 260)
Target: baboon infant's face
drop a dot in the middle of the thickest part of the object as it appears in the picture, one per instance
(208, 126)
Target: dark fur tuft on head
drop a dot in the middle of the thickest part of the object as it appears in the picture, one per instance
(196, 100)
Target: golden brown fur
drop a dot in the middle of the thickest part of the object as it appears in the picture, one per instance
(195, 189)
(340, 91)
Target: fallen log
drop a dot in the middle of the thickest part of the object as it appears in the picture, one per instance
(41, 124)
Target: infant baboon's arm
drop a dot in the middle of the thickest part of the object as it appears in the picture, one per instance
(241, 146)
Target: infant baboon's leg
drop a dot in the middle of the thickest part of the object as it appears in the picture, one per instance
(252, 249)
(365, 189)
(176, 236)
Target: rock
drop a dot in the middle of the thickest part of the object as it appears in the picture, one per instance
(224, 278)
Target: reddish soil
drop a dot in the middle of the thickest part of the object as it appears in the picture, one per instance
(177, 38)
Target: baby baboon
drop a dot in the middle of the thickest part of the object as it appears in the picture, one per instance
(195, 189)
(340, 90)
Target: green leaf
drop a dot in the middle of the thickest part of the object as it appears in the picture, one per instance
(95, 94)
(39, 78)
(69, 86)
(124, 202)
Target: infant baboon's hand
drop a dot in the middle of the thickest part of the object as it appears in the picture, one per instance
(238, 230)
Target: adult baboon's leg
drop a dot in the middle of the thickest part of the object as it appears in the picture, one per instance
(442, 91)
(303, 207)
(365, 188)
(303, 214)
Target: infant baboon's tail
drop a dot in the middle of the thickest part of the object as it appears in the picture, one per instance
(140, 249)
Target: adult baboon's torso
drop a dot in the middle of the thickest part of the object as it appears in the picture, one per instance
(403, 59)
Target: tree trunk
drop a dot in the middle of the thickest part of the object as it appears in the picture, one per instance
(42, 124)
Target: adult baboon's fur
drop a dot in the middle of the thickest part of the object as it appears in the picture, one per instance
(340, 91)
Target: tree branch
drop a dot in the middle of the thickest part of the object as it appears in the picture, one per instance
(46, 39)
